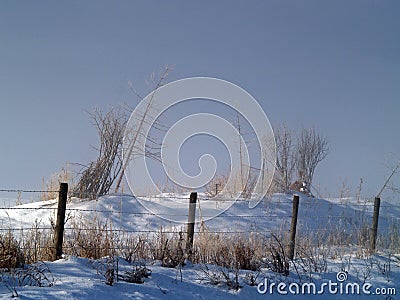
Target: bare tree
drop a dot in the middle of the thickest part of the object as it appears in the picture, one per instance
(98, 177)
(311, 149)
(285, 158)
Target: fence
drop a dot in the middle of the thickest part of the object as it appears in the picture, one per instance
(297, 206)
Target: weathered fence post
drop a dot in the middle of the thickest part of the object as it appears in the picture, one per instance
(374, 229)
(190, 225)
(59, 230)
(293, 226)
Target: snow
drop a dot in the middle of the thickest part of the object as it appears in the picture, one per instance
(80, 278)
(126, 212)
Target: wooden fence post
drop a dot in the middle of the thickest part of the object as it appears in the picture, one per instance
(374, 229)
(190, 225)
(293, 226)
(59, 230)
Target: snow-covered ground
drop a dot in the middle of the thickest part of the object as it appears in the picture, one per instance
(78, 278)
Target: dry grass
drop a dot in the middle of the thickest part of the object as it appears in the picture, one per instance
(37, 243)
(231, 251)
(91, 238)
(52, 185)
(96, 239)
(11, 255)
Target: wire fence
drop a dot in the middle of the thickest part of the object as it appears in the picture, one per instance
(27, 191)
(200, 199)
(249, 223)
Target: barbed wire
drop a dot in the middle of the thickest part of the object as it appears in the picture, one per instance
(124, 235)
(53, 206)
(25, 228)
(26, 191)
(28, 208)
(113, 211)
(113, 230)
(133, 213)
(71, 231)
(155, 232)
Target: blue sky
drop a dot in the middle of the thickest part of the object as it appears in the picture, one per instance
(334, 65)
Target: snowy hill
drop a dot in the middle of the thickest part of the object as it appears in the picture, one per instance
(79, 278)
(127, 213)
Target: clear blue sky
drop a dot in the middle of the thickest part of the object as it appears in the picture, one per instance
(334, 65)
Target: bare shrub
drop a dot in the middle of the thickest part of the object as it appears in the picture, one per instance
(217, 275)
(137, 275)
(394, 237)
(107, 268)
(311, 149)
(212, 248)
(311, 259)
(37, 274)
(98, 177)
(135, 248)
(277, 259)
(168, 248)
(37, 243)
(244, 255)
(8, 280)
(11, 254)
